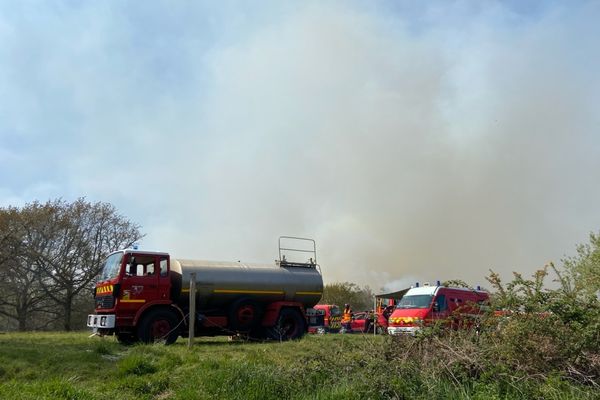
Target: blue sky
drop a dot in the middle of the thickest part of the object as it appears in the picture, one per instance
(413, 141)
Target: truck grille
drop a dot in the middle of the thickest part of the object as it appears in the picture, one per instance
(105, 301)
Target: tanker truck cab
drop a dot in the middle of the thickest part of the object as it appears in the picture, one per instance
(426, 305)
(130, 283)
(145, 296)
(145, 281)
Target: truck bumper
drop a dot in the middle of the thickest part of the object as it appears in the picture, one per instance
(404, 330)
(99, 321)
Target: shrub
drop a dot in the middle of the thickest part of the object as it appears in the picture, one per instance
(532, 341)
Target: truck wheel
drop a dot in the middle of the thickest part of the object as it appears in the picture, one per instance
(290, 325)
(158, 325)
(244, 315)
(126, 338)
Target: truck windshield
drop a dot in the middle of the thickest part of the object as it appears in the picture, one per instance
(335, 312)
(415, 301)
(111, 266)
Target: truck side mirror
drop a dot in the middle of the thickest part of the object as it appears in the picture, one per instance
(436, 307)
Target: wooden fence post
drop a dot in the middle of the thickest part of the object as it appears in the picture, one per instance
(192, 314)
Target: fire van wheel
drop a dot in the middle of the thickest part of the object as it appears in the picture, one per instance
(290, 325)
(158, 326)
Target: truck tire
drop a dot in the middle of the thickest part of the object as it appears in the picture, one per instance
(244, 315)
(159, 325)
(126, 338)
(290, 325)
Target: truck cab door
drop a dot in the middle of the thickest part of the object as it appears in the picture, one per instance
(164, 279)
(140, 280)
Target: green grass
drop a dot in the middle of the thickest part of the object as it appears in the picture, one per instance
(75, 366)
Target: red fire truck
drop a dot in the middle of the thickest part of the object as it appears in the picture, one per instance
(333, 317)
(375, 321)
(144, 296)
(425, 305)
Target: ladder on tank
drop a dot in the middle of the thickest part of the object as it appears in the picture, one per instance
(303, 246)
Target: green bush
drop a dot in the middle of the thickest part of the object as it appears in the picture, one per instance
(545, 331)
(534, 341)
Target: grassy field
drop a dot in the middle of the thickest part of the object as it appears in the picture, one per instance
(75, 366)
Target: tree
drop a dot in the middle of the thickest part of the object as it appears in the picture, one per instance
(21, 295)
(341, 293)
(64, 244)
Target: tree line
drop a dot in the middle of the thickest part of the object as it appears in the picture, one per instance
(340, 293)
(50, 256)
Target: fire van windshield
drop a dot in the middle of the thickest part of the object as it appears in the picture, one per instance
(111, 266)
(415, 301)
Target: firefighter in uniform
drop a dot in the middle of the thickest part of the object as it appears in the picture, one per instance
(347, 317)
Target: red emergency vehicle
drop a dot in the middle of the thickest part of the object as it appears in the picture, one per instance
(385, 306)
(425, 305)
(376, 321)
(362, 322)
(145, 296)
(333, 317)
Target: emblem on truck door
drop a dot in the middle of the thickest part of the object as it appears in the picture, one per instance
(136, 290)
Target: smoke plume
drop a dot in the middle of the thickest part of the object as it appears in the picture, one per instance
(431, 143)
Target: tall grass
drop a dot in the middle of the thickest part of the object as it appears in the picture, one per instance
(73, 366)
